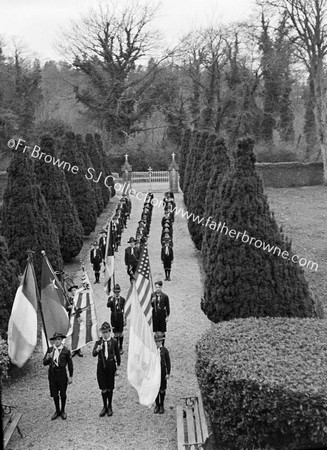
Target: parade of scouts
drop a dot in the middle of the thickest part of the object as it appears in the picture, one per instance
(163, 209)
(77, 320)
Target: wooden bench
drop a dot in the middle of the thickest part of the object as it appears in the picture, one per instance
(192, 430)
(9, 423)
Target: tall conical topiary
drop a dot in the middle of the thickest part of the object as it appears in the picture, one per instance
(95, 171)
(56, 192)
(219, 168)
(90, 176)
(80, 188)
(107, 192)
(183, 154)
(26, 218)
(242, 278)
(189, 165)
(200, 185)
(8, 285)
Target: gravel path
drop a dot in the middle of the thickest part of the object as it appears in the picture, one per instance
(132, 426)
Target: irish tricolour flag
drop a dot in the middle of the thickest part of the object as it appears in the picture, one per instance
(22, 327)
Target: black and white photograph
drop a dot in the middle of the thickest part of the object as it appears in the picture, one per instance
(163, 224)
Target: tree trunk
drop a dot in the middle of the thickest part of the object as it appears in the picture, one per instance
(320, 111)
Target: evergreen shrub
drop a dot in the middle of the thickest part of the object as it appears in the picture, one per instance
(263, 382)
(243, 279)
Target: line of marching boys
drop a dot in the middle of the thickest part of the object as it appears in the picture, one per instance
(167, 252)
(109, 348)
(133, 252)
(118, 223)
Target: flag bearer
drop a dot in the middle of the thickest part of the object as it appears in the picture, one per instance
(159, 337)
(117, 305)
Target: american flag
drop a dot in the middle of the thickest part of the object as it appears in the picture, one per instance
(83, 320)
(143, 286)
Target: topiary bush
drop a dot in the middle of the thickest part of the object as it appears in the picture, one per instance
(56, 192)
(81, 190)
(4, 360)
(8, 285)
(263, 382)
(184, 151)
(219, 167)
(197, 189)
(246, 278)
(26, 221)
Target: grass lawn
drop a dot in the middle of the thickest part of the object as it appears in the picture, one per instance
(303, 214)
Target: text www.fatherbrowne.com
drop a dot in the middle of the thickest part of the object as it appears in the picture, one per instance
(246, 239)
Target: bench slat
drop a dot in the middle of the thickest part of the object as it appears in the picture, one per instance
(180, 428)
(205, 432)
(11, 425)
(190, 427)
(199, 436)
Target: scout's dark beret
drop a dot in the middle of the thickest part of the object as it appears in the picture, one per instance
(116, 288)
(159, 283)
(131, 239)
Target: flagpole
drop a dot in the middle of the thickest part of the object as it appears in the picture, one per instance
(150, 267)
(30, 256)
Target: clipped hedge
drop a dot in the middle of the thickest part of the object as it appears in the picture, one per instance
(264, 383)
(4, 360)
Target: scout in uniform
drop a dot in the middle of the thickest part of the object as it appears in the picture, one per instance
(167, 257)
(103, 243)
(160, 308)
(70, 299)
(71, 310)
(132, 255)
(106, 349)
(57, 358)
(159, 337)
(117, 305)
(96, 260)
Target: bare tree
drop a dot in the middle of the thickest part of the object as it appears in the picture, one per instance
(106, 47)
(309, 21)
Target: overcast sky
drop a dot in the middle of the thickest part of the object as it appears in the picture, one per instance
(38, 23)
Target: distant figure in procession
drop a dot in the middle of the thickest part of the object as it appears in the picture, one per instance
(132, 256)
(167, 257)
(96, 260)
